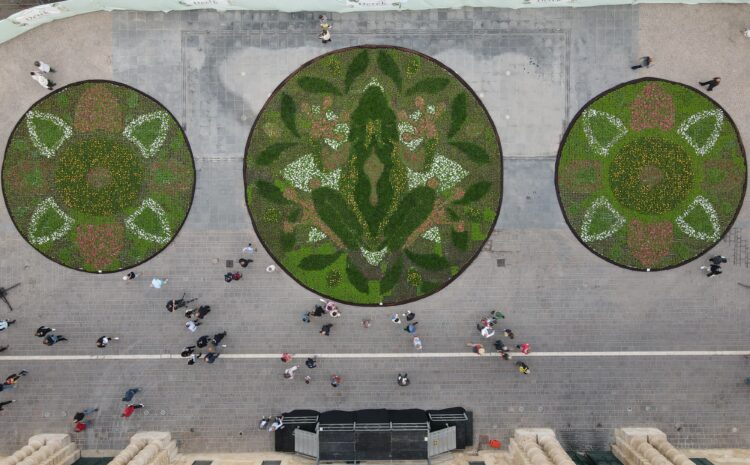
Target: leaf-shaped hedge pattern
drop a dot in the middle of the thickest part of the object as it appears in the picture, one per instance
(429, 261)
(431, 85)
(475, 192)
(358, 66)
(272, 152)
(270, 191)
(458, 113)
(415, 207)
(334, 211)
(391, 277)
(318, 261)
(388, 66)
(475, 153)
(316, 85)
(289, 113)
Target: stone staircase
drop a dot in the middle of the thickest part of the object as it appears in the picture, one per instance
(148, 448)
(537, 446)
(646, 446)
(45, 449)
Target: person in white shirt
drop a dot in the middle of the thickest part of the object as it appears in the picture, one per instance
(43, 81)
(44, 67)
(192, 326)
(5, 323)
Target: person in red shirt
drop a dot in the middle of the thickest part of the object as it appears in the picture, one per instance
(285, 357)
(81, 425)
(525, 348)
(127, 411)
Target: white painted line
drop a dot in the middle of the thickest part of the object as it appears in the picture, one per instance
(668, 353)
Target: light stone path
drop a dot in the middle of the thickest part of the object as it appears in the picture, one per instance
(535, 66)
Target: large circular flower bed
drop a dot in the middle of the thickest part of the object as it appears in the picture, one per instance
(98, 176)
(373, 175)
(651, 174)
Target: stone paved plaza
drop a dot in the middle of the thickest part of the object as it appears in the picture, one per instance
(533, 70)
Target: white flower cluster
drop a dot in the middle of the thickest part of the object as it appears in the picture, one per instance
(431, 109)
(406, 128)
(151, 204)
(151, 150)
(718, 117)
(590, 114)
(703, 203)
(416, 115)
(302, 170)
(446, 171)
(48, 204)
(315, 235)
(374, 258)
(374, 82)
(46, 151)
(331, 116)
(341, 129)
(432, 235)
(617, 223)
(316, 109)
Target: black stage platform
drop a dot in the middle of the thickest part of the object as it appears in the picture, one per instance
(375, 434)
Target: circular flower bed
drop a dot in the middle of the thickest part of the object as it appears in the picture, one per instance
(98, 176)
(373, 175)
(651, 174)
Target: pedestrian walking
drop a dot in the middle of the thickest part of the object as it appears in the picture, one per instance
(236, 276)
(176, 304)
(499, 345)
(311, 362)
(157, 283)
(306, 317)
(523, 368)
(486, 322)
(319, 311)
(411, 328)
(130, 393)
(129, 409)
(3, 404)
(13, 379)
(187, 351)
(44, 67)
(211, 357)
(7, 387)
(203, 341)
(505, 355)
(43, 81)
(476, 348)
(286, 357)
(80, 426)
(416, 342)
(396, 319)
(718, 259)
(746, 33)
(277, 424)
(130, 276)
(711, 83)
(244, 262)
(228, 277)
(308, 379)
(270, 268)
(249, 249)
(409, 315)
(326, 329)
(325, 33)
(509, 333)
(263, 423)
(203, 310)
(289, 372)
(487, 331)
(330, 307)
(335, 380)
(218, 337)
(103, 341)
(192, 326)
(194, 358)
(525, 348)
(713, 270)
(79, 416)
(4, 348)
(53, 339)
(42, 331)
(5, 323)
(497, 315)
(403, 380)
(366, 323)
(643, 62)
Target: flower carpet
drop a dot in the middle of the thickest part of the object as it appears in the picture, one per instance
(651, 174)
(373, 175)
(98, 176)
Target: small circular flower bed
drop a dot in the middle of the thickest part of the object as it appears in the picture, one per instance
(373, 175)
(98, 176)
(651, 174)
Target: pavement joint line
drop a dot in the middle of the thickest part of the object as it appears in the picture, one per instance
(668, 353)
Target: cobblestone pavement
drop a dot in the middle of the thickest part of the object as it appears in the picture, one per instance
(535, 66)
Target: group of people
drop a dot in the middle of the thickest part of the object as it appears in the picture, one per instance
(10, 383)
(328, 309)
(410, 327)
(81, 420)
(42, 75)
(212, 345)
(486, 328)
(311, 363)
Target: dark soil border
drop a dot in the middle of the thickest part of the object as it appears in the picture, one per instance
(456, 76)
(87, 81)
(565, 138)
